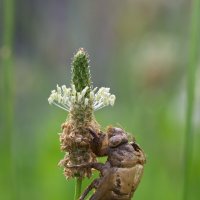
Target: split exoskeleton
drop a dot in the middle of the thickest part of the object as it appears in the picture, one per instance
(121, 174)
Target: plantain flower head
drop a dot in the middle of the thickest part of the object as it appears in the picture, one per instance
(80, 100)
(67, 98)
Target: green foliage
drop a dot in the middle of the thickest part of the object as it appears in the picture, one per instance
(194, 48)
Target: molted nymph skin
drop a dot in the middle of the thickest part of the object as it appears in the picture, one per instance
(122, 172)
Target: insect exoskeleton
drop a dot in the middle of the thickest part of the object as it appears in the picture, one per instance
(122, 172)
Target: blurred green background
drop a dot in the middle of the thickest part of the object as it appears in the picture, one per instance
(138, 48)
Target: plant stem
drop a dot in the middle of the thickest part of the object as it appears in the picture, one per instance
(7, 96)
(192, 67)
(78, 188)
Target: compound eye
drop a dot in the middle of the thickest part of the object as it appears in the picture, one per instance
(118, 139)
(115, 141)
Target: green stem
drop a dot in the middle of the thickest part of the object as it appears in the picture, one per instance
(7, 96)
(192, 67)
(78, 188)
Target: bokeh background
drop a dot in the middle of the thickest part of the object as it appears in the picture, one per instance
(138, 48)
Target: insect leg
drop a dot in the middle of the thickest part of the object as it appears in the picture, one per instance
(99, 144)
(98, 166)
(95, 135)
(89, 188)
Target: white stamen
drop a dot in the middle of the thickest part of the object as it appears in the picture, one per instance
(86, 101)
(67, 98)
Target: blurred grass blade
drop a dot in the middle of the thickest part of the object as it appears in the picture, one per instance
(7, 95)
(192, 68)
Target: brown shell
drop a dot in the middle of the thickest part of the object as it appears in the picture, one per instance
(118, 183)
